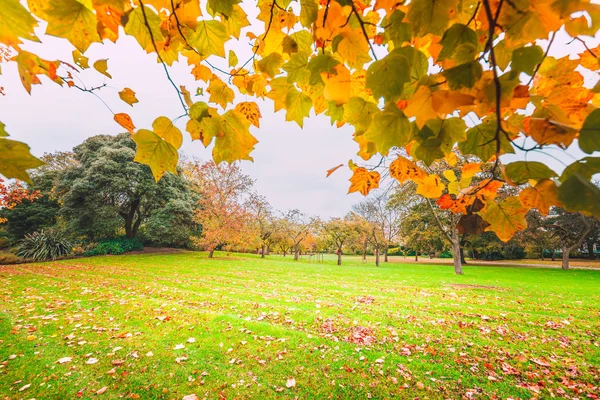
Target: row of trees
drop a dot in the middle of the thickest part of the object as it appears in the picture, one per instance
(97, 191)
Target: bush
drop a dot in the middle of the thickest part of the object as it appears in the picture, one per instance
(512, 251)
(492, 256)
(9, 258)
(115, 246)
(44, 245)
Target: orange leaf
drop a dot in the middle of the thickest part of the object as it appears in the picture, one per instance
(445, 202)
(128, 96)
(125, 121)
(250, 111)
(364, 181)
(542, 196)
(505, 218)
(332, 170)
(403, 169)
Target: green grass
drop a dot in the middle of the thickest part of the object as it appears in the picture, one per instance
(354, 331)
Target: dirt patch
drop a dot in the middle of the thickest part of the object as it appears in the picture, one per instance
(467, 286)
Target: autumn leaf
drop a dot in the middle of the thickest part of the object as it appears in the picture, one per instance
(102, 67)
(128, 96)
(363, 181)
(505, 217)
(332, 170)
(125, 121)
(403, 169)
(390, 128)
(542, 196)
(430, 187)
(73, 20)
(234, 142)
(16, 159)
(251, 111)
(16, 23)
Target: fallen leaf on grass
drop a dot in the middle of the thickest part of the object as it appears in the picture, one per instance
(540, 362)
(91, 361)
(190, 397)
(291, 382)
(25, 387)
(191, 340)
(64, 360)
(102, 390)
(179, 347)
(149, 354)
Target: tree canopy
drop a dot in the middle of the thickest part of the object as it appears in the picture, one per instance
(418, 81)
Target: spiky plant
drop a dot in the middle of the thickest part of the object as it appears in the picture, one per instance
(44, 245)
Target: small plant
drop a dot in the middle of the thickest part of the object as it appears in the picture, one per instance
(115, 246)
(44, 245)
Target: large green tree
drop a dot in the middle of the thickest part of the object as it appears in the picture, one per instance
(106, 192)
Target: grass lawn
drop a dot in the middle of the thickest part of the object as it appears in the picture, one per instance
(162, 326)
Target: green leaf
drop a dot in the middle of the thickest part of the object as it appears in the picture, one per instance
(431, 16)
(209, 38)
(73, 20)
(198, 111)
(428, 150)
(296, 68)
(503, 54)
(586, 167)
(464, 75)
(298, 106)
(577, 193)
(390, 128)
(525, 59)
(386, 77)
(456, 36)
(419, 64)
(16, 23)
(155, 152)
(235, 142)
(224, 7)
(589, 136)
(396, 30)
(304, 41)
(359, 113)
(480, 141)
(308, 12)
(16, 159)
(235, 22)
(318, 64)
(522, 171)
(136, 27)
(335, 112)
(271, 64)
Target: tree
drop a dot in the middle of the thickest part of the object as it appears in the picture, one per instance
(570, 229)
(280, 238)
(14, 194)
(339, 232)
(105, 191)
(262, 217)
(403, 75)
(296, 226)
(223, 210)
(29, 216)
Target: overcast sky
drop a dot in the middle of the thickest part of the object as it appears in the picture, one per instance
(290, 163)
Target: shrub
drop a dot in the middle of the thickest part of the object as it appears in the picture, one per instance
(115, 246)
(512, 251)
(44, 245)
(9, 258)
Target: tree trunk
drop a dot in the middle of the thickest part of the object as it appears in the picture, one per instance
(543, 254)
(364, 256)
(296, 252)
(211, 253)
(262, 251)
(456, 251)
(385, 254)
(565, 258)
(339, 254)
(553, 255)
(462, 256)
(590, 248)
(377, 256)
(416, 255)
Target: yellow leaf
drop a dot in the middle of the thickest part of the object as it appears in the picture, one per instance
(73, 20)
(233, 60)
(16, 159)
(30, 66)
(337, 85)
(16, 23)
(125, 121)
(234, 142)
(80, 59)
(186, 95)
(505, 218)
(155, 152)
(363, 181)
(354, 48)
(102, 67)
(165, 129)
(128, 96)
(251, 111)
(219, 92)
(202, 72)
(470, 169)
(542, 196)
(446, 102)
(430, 187)
(421, 107)
(403, 169)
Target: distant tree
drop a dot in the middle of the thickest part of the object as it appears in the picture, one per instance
(340, 231)
(281, 240)
(29, 216)
(104, 191)
(223, 209)
(297, 227)
(263, 219)
(421, 232)
(13, 194)
(570, 229)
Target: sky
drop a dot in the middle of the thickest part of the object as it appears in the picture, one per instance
(289, 165)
